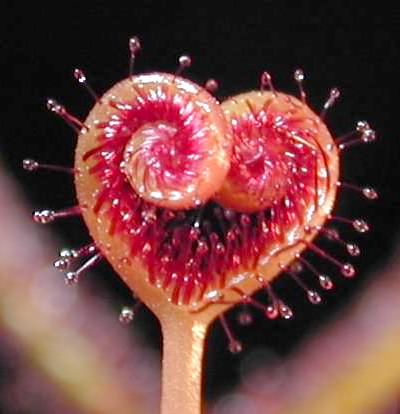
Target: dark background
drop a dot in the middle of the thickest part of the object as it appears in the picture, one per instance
(352, 46)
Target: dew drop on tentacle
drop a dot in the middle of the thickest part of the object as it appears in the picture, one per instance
(43, 216)
(31, 165)
(348, 270)
(184, 62)
(235, 347)
(325, 282)
(80, 76)
(353, 249)
(134, 48)
(126, 315)
(368, 192)
(68, 253)
(334, 95)
(284, 310)
(314, 297)
(62, 264)
(360, 225)
(48, 216)
(272, 310)
(299, 78)
(71, 278)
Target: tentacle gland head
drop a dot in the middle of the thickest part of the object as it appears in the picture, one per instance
(194, 198)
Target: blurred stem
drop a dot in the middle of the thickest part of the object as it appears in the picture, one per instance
(184, 341)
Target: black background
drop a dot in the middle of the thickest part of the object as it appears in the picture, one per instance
(352, 46)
